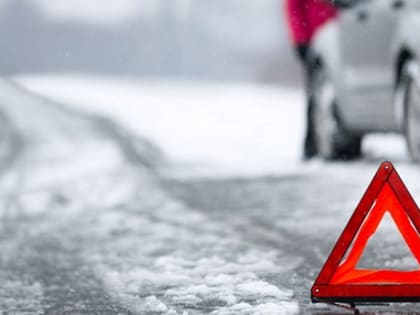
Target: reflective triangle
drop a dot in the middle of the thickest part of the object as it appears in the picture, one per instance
(340, 279)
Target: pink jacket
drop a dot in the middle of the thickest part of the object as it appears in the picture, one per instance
(305, 17)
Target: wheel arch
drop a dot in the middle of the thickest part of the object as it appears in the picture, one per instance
(403, 56)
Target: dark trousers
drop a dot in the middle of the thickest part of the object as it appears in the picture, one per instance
(309, 146)
(310, 149)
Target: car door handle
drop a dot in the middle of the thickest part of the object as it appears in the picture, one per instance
(362, 16)
(398, 4)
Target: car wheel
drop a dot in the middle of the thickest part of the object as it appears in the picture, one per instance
(410, 82)
(333, 142)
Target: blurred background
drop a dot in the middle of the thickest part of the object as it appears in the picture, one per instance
(151, 161)
(235, 40)
(224, 69)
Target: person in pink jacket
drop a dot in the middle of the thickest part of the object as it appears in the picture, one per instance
(304, 18)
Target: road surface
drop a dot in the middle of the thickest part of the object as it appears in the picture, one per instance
(92, 222)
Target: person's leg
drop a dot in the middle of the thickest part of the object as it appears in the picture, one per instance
(310, 148)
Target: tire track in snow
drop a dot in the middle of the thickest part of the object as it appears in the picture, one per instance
(43, 267)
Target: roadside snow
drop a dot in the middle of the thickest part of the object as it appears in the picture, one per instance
(205, 128)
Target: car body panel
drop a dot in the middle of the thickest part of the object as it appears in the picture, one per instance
(357, 52)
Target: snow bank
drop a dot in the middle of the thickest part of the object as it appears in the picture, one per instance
(209, 128)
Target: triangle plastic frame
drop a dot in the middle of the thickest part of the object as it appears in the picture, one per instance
(339, 281)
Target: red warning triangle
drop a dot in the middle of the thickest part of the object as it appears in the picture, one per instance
(340, 280)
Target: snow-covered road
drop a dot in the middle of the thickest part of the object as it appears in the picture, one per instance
(98, 220)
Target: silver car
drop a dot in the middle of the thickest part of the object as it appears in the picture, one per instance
(365, 75)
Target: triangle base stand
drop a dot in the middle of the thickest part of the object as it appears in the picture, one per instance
(351, 307)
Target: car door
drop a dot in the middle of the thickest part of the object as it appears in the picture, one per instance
(367, 75)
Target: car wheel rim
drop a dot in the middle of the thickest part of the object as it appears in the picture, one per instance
(325, 123)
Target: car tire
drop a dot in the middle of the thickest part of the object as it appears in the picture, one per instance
(333, 141)
(410, 85)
